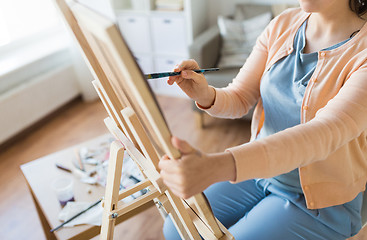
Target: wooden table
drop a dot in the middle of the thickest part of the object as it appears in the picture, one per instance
(40, 173)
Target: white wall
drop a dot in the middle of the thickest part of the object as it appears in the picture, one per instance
(226, 7)
(29, 102)
(219, 7)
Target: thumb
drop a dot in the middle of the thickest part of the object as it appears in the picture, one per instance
(182, 146)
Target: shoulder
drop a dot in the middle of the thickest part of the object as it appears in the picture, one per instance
(291, 13)
(280, 32)
(281, 29)
(289, 19)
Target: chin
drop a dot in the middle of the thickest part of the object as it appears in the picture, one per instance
(309, 6)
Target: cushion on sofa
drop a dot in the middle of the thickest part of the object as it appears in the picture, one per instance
(239, 37)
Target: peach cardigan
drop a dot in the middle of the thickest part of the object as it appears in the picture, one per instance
(329, 146)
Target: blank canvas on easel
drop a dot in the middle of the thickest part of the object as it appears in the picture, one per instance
(123, 87)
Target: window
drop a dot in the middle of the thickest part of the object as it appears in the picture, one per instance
(37, 73)
(20, 19)
(30, 32)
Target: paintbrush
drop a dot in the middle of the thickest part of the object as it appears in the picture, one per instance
(168, 74)
(77, 215)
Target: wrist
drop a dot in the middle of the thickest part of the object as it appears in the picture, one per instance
(208, 99)
(225, 167)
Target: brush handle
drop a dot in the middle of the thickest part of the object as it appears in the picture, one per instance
(77, 215)
(168, 74)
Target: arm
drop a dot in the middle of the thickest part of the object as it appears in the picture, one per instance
(336, 124)
(238, 97)
(340, 121)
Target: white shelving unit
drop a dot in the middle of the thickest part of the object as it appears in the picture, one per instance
(268, 2)
(159, 39)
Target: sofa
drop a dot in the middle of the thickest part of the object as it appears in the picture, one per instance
(206, 49)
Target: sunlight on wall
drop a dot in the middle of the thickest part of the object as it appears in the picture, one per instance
(4, 32)
(22, 18)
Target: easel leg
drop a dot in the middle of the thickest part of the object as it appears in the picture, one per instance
(190, 232)
(174, 216)
(112, 189)
(199, 119)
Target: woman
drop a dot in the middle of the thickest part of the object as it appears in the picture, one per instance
(303, 173)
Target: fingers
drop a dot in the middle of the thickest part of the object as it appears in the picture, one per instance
(190, 64)
(168, 165)
(189, 74)
(173, 79)
(182, 146)
(177, 184)
(184, 65)
(181, 176)
(176, 189)
(170, 173)
(186, 75)
(170, 179)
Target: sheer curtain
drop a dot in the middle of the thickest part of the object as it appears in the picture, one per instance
(20, 19)
(41, 67)
(31, 30)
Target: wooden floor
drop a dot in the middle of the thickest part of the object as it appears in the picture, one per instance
(80, 122)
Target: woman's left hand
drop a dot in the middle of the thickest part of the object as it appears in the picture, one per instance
(194, 171)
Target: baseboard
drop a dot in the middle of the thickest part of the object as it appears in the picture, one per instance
(26, 104)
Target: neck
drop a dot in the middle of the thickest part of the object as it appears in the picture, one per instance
(330, 26)
(338, 21)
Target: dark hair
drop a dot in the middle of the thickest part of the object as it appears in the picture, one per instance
(358, 6)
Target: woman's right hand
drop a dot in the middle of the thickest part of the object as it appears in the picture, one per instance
(193, 84)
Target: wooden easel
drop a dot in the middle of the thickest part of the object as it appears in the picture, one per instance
(138, 126)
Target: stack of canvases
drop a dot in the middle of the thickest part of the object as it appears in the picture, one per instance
(169, 5)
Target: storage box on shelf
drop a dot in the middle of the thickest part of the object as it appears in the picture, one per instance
(160, 39)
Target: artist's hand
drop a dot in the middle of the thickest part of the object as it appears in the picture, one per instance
(193, 84)
(195, 171)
